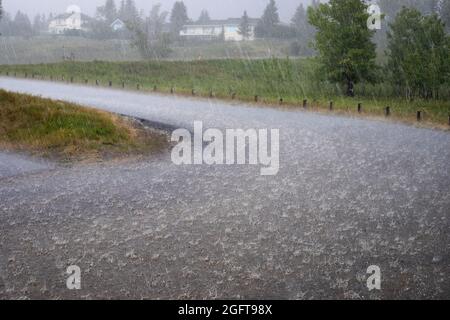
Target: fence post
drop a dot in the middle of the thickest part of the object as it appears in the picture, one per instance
(172, 90)
(138, 86)
(193, 92)
(71, 79)
(96, 82)
(211, 94)
(281, 101)
(419, 116)
(256, 98)
(388, 111)
(331, 105)
(233, 95)
(155, 88)
(123, 84)
(359, 107)
(305, 104)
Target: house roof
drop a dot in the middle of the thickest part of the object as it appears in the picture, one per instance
(117, 21)
(68, 15)
(230, 21)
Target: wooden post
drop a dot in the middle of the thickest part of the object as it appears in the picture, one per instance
(7, 73)
(233, 95)
(419, 116)
(62, 78)
(256, 98)
(388, 111)
(281, 101)
(193, 92)
(449, 119)
(172, 90)
(51, 78)
(26, 75)
(86, 81)
(305, 103)
(359, 107)
(211, 94)
(331, 105)
(123, 84)
(155, 88)
(96, 82)
(138, 87)
(71, 79)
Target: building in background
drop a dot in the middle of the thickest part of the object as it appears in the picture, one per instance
(227, 30)
(72, 20)
(118, 25)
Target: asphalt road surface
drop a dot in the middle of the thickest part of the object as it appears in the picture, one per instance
(350, 193)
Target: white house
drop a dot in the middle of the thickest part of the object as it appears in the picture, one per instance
(118, 25)
(215, 29)
(73, 19)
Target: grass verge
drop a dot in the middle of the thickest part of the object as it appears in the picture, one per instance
(69, 132)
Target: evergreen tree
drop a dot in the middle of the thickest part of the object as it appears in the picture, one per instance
(270, 19)
(344, 41)
(108, 12)
(304, 31)
(244, 27)
(204, 17)
(178, 17)
(22, 25)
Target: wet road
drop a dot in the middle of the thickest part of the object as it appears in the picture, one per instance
(350, 193)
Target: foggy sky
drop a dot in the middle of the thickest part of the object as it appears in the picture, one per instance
(218, 9)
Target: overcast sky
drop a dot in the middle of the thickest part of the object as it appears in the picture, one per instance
(217, 8)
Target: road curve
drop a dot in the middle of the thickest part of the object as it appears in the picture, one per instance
(350, 193)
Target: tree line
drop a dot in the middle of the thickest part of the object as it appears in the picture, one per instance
(417, 51)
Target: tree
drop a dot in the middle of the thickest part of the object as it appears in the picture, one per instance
(204, 17)
(419, 54)
(39, 24)
(107, 12)
(149, 37)
(1, 10)
(344, 41)
(269, 21)
(304, 32)
(444, 13)
(128, 12)
(244, 27)
(178, 17)
(22, 25)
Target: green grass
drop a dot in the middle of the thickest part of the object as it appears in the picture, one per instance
(293, 80)
(67, 131)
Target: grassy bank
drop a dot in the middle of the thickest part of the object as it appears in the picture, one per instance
(69, 132)
(291, 80)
